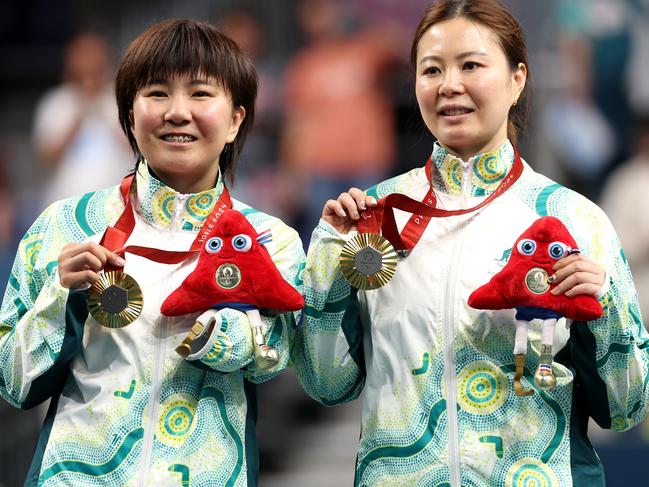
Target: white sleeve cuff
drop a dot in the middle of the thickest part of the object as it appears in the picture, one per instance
(330, 229)
(605, 287)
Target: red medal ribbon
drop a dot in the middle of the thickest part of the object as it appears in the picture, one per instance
(116, 236)
(380, 219)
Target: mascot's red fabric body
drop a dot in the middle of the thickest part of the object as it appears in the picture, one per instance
(539, 247)
(233, 270)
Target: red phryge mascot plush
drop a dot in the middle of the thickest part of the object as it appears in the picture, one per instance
(523, 284)
(234, 270)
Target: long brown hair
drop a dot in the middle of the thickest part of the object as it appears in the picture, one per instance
(178, 47)
(509, 33)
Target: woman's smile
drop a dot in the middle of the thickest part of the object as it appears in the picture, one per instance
(454, 113)
(178, 139)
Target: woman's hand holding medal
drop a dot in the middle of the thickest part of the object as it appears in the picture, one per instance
(79, 264)
(344, 212)
(114, 299)
(368, 260)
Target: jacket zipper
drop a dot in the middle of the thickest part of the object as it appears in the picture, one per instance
(177, 218)
(449, 341)
(152, 411)
(151, 419)
(466, 178)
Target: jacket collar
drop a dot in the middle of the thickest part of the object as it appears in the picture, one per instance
(480, 175)
(162, 206)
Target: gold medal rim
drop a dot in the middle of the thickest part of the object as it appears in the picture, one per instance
(547, 284)
(357, 278)
(135, 301)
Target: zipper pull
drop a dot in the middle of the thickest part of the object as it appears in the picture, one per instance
(466, 177)
(178, 211)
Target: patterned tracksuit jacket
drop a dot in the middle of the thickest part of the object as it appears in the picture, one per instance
(125, 408)
(436, 376)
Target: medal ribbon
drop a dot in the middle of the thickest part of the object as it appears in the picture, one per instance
(380, 219)
(116, 236)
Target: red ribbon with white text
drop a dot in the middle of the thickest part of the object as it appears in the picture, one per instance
(116, 236)
(380, 219)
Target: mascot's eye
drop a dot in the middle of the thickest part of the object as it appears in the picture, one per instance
(557, 250)
(214, 245)
(242, 243)
(526, 246)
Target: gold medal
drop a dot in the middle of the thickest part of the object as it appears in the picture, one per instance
(115, 300)
(228, 276)
(536, 280)
(368, 261)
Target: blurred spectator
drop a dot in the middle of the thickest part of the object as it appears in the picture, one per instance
(258, 181)
(625, 200)
(7, 229)
(339, 119)
(638, 72)
(406, 14)
(76, 132)
(589, 121)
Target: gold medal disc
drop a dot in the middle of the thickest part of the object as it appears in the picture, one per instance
(368, 261)
(536, 280)
(115, 300)
(228, 276)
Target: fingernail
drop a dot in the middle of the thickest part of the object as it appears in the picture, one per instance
(554, 291)
(119, 261)
(341, 212)
(362, 205)
(372, 200)
(569, 292)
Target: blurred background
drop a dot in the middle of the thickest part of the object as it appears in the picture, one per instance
(336, 108)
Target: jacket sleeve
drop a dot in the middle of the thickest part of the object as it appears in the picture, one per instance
(229, 345)
(611, 354)
(40, 328)
(328, 352)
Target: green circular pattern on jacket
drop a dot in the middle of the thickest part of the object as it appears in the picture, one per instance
(220, 352)
(177, 420)
(529, 472)
(200, 205)
(482, 388)
(490, 170)
(31, 247)
(452, 169)
(162, 204)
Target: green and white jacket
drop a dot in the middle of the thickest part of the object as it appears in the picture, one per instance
(436, 376)
(126, 409)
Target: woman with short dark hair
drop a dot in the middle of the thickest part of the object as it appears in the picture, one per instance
(157, 402)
